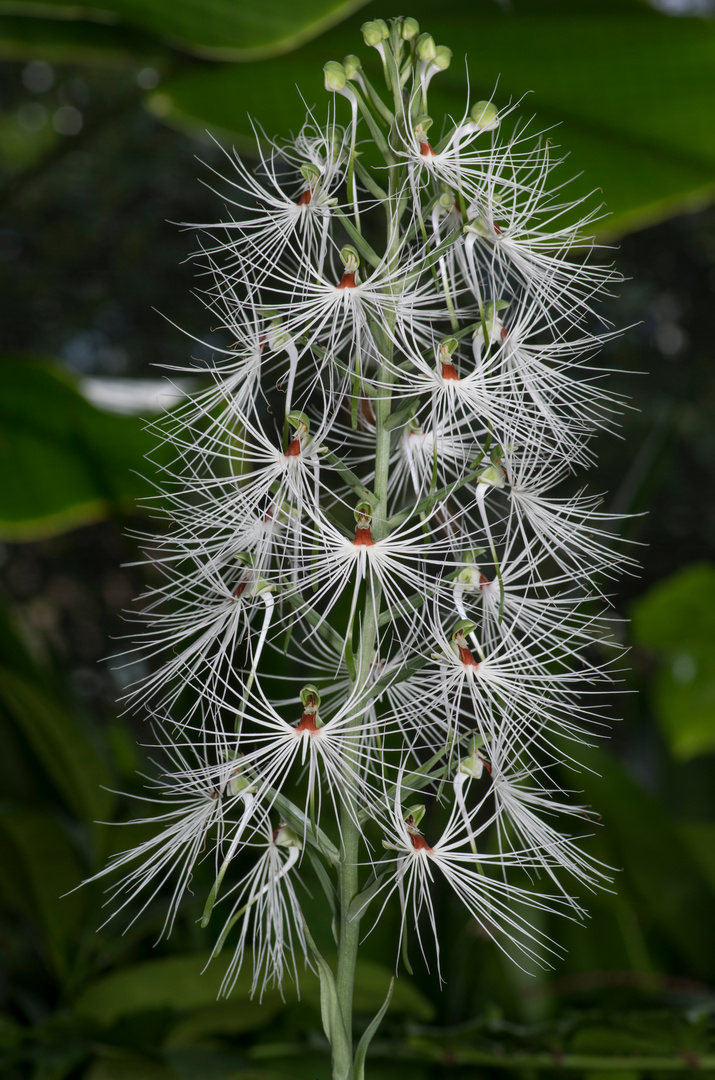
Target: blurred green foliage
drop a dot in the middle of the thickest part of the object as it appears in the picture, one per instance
(634, 996)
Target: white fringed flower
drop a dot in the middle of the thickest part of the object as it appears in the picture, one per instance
(382, 576)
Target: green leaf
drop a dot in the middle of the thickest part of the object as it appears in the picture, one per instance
(631, 90)
(362, 1047)
(39, 866)
(71, 41)
(676, 620)
(669, 886)
(221, 29)
(189, 983)
(223, 1018)
(64, 463)
(176, 982)
(62, 748)
(330, 1012)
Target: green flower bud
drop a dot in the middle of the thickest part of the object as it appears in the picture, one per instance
(352, 65)
(284, 836)
(473, 765)
(493, 475)
(238, 784)
(443, 57)
(485, 115)
(335, 77)
(479, 226)
(468, 576)
(410, 28)
(375, 32)
(426, 48)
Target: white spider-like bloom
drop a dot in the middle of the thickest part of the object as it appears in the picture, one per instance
(381, 581)
(267, 906)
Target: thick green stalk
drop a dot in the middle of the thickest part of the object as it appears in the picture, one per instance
(348, 886)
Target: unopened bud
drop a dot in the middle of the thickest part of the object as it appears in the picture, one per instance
(238, 784)
(335, 77)
(284, 836)
(351, 65)
(375, 32)
(426, 48)
(410, 28)
(485, 115)
(493, 475)
(443, 57)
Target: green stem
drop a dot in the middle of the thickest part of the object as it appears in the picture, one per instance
(348, 885)
(348, 879)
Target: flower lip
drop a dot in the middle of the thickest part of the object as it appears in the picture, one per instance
(465, 654)
(418, 841)
(347, 281)
(363, 532)
(305, 198)
(307, 722)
